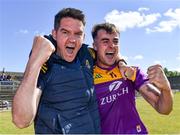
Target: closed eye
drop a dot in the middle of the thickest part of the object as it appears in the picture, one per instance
(79, 34)
(105, 40)
(116, 41)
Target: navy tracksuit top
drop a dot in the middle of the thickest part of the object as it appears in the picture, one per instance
(68, 103)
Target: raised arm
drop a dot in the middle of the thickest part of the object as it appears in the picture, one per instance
(27, 97)
(158, 91)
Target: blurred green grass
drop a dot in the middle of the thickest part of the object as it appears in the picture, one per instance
(7, 127)
(160, 124)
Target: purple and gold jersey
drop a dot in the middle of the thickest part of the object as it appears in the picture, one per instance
(116, 101)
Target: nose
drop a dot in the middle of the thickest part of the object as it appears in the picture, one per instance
(72, 38)
(111, 44)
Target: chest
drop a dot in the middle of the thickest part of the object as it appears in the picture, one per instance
(111, 88)
(72, 83)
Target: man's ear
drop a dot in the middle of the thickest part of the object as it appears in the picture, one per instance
(54, 34)
(94, 46)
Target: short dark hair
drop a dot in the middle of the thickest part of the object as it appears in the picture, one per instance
(108, 27)
(68, 12)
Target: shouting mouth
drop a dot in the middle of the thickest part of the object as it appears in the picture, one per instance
(70, 49)
(109, 55)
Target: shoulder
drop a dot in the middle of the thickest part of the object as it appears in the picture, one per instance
(92, 52)
(83, 49)
(85, 57)
(139, 71)
(84, 52)
(140, 78)
(87, 52)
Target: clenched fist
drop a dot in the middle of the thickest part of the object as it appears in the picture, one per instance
(158, 78)
(41, 50)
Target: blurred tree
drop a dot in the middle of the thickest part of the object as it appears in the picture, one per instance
(171, 73)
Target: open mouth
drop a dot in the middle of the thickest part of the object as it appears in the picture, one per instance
(110, 55)
(70, 49)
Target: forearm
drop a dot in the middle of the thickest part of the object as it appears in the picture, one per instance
(161, 101)
(26, 98)
(165, 102)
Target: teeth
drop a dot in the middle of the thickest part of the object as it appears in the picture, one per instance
(71, 46)
(109, 53)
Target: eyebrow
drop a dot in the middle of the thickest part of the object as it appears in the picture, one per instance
(107, 39)
(63, 29)
(79, 32)
(104, 39)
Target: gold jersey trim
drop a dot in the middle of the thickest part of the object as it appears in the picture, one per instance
(102, 75)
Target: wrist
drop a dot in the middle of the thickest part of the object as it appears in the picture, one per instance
(121, 62)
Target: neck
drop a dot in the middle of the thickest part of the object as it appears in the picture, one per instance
(105, 66)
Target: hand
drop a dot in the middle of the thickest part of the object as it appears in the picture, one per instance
(158, 78)
(127, 72)
(41, 50)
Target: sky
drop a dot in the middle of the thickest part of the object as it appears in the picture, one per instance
(150, 29)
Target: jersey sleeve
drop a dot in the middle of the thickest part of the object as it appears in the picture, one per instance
(141, 78)
(43, 77)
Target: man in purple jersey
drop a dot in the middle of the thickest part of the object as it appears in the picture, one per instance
(116, 96)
